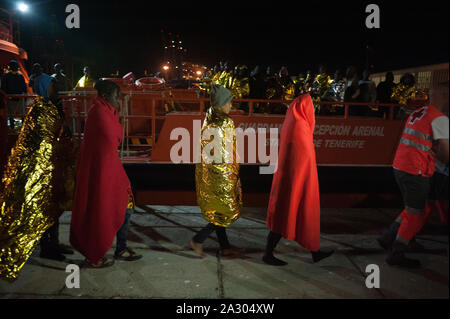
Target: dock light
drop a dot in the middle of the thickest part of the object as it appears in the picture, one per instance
(23, 7)
(165, 67)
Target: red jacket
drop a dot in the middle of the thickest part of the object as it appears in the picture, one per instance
(294, 204)
(102, 187)
(415, 152)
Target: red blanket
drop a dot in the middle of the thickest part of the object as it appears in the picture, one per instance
(294, 204)
(102, 187)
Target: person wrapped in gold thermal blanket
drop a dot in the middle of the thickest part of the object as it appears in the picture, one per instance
(217, 180)
(37, 185)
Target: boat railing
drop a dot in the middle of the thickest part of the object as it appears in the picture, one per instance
(76, 105)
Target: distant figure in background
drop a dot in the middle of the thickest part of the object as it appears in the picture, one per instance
(368, 90)
(337, 89)
(335, 94)
(256, 83)
(86, 80)
(321, 84)
(61, 81)
(287, 85)
(39, 81)
(384, 93)
(352, 90)
(367, 94)
(13, 83)
(308, 81)
(300, 84)
(404, 92)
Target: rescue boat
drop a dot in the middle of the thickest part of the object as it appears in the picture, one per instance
(354, 154)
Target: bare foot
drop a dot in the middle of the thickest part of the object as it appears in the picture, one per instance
(196, 247)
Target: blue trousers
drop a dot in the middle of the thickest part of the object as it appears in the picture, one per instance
(121, 237)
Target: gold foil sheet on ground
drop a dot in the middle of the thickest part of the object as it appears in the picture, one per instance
(32, 193)
(217, 184)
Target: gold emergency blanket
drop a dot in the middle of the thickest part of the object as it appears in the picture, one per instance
(240, 88)
(402, 93)
(37, 186)
(217, 184)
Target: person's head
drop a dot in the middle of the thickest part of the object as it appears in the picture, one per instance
(86, 71)
(408, 79)
(283, 72)
(269, 70)
(13, 65)
(243, 72)
(216, 69)
(221, 98)
(322, 69)
(338, 75)
(109, 91)
(255, 71)
(236, 70)
(37, 69)
(227, 66)
(303, 108)
(350, 73)
(57, 67)
(301, 75)
(366, 75)
(390, 77)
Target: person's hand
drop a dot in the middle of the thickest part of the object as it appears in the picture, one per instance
(239, 189)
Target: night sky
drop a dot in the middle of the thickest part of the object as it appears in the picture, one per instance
(125, 35)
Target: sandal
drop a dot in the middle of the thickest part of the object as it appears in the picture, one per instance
(103, 263)
(128, 255)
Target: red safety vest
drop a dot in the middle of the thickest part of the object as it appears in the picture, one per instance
(416, 152)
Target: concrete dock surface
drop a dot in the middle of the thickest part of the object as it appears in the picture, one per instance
(169, 269)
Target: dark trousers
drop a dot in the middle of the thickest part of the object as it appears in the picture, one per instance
(201, 236)
(121, 237)
(272, 241)
(50, 240)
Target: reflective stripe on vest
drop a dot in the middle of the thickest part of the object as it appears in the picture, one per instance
(419, 146)
(418, 134)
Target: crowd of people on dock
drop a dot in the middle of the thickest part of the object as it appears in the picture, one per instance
(266, 84)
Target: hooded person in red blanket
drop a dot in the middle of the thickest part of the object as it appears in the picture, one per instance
(294, 205)
(103, 199)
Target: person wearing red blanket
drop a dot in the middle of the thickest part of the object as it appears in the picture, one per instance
(102, 190)
(294, 205)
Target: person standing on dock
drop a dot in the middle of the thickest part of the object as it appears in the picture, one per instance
(13, 83)
(86, 81)
(217, 179)
(103, 198)
(294, 204)
(424, 138)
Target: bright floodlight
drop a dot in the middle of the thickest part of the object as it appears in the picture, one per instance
(23, 7)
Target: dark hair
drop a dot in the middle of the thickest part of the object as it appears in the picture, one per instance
(408, 79)
(105, 87)
(13, 65)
